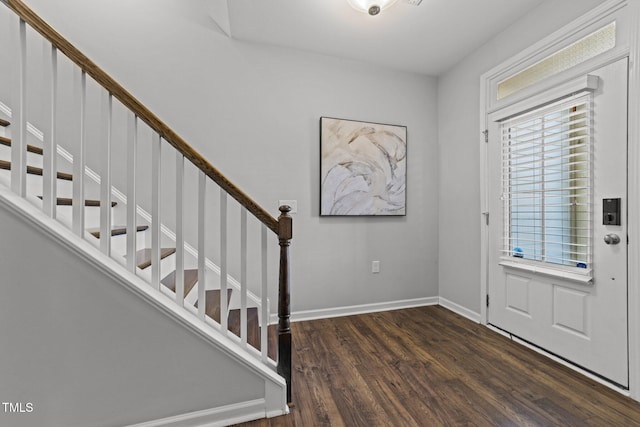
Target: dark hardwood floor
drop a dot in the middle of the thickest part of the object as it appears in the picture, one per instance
(430, 367)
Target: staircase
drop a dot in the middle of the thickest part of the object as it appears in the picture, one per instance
(150, 238)
(143, 257)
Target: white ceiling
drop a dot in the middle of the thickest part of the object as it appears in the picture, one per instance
(428, 39)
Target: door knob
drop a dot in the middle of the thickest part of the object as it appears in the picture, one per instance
(612, 239)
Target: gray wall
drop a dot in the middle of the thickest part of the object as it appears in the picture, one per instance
(84, 351)
(459, 151)
(254, 112)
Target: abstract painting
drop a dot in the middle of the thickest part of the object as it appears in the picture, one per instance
(363, 168)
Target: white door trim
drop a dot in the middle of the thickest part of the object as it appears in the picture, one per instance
(633, 185)
(628, 44)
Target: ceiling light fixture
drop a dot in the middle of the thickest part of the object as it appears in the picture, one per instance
(372, 7)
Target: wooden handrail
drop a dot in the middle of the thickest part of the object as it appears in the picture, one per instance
(142, 112)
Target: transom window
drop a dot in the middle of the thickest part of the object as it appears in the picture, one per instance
(576, 53)
(546, 183)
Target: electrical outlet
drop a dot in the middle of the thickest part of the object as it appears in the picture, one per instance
(293, 204)
(375, 266)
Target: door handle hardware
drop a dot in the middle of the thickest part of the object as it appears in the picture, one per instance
(612, 239)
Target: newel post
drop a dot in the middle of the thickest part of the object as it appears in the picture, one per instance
(285, 233)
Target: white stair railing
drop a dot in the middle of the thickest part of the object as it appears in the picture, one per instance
(19, 95)
(50, 146)
(190, 174)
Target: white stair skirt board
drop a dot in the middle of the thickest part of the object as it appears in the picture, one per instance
(325, 313)
(215, 417)
(275, 385)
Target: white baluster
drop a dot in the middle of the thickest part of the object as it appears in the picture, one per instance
(243, 275)
(105, 178)
(264, 301)
(132, 142)
(50, 146)
(19, 101)
(179, 230)
(79, 158)
(223, 262)
(202, 235)
(156, 240)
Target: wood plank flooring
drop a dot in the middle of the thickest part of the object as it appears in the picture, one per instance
(430, 367)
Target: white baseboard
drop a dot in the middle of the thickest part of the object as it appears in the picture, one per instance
(458, 309)
(221, 416)
(325, 313)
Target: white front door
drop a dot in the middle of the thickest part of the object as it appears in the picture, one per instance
(553, 279)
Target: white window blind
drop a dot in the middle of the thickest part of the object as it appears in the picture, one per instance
(546, 184)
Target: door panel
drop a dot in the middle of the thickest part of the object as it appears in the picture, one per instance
(517, 294)
(584, 323)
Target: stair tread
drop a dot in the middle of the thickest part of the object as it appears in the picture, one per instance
(34, 170)
(117, 230)
(253, 330)
(64, 201)
(4, 123)
(143, 256)
(212, 306)
(31, 148)
(190, 280)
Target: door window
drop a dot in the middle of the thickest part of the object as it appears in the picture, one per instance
(546, 184)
